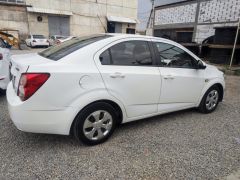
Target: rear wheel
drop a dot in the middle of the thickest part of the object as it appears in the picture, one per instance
(210, 100)
(95, 124)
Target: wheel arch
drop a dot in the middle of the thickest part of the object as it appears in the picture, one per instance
(219, 84)
(115, 105)
(220, 87)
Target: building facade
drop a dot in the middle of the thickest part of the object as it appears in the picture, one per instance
(199, 18)
(68, 17)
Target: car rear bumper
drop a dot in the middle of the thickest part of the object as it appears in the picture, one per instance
(40, 44)
(38, 121)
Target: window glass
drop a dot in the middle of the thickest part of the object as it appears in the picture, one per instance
(131, 53)
(57, 52)
(38, 37)
(172, 56)
(105, 58)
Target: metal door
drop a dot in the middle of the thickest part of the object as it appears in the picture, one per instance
(58, 25)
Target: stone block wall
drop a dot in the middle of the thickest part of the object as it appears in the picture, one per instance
(175, 15)
(14, 17)
(211, 14)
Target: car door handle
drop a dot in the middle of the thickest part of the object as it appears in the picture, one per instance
(117, 75)
(168, 77)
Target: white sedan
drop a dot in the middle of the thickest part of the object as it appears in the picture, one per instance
(4, 66)
(87, 86)
(37, 41)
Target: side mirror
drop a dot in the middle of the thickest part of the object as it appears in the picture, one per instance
(200, 65)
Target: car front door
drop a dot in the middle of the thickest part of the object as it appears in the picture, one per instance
(130, 75)
(182, 82)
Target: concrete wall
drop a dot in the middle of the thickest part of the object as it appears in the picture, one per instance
(204, 17)
(36, 27)
(88, 16)
(13, 17)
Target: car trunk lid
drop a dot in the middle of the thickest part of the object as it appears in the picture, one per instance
(21, 64)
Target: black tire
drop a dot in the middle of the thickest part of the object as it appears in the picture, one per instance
(203, 107)
(2, 92)
(78, 126)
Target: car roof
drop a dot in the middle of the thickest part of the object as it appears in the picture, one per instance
(128, 35)
(119, 35)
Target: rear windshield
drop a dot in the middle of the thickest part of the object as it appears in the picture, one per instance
(59, 51)
(38, 37)
(60, 37)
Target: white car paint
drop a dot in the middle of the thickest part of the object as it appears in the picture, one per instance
(37, 40)
(4, 68)
(79, 79)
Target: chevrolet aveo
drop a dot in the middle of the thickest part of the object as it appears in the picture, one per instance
(87, 86)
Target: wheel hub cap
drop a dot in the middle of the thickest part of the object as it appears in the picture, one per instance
(97, 125)
(212, 99)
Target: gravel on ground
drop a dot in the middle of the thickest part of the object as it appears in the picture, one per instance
(180, 145)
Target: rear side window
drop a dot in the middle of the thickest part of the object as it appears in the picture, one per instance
(57, 52)
(129, 53)
(38, 37)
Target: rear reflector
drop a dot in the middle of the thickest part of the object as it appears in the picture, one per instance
(30, 83)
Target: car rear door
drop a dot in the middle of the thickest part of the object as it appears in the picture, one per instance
(128, 69)
(182, 83)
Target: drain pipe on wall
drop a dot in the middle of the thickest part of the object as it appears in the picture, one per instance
(235, 43)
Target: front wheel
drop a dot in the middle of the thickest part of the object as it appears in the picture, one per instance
(210, 100)
(95, 124)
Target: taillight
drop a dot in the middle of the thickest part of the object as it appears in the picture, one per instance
(58, 42)
(30, 83)
(34, 40)
(1, 56)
